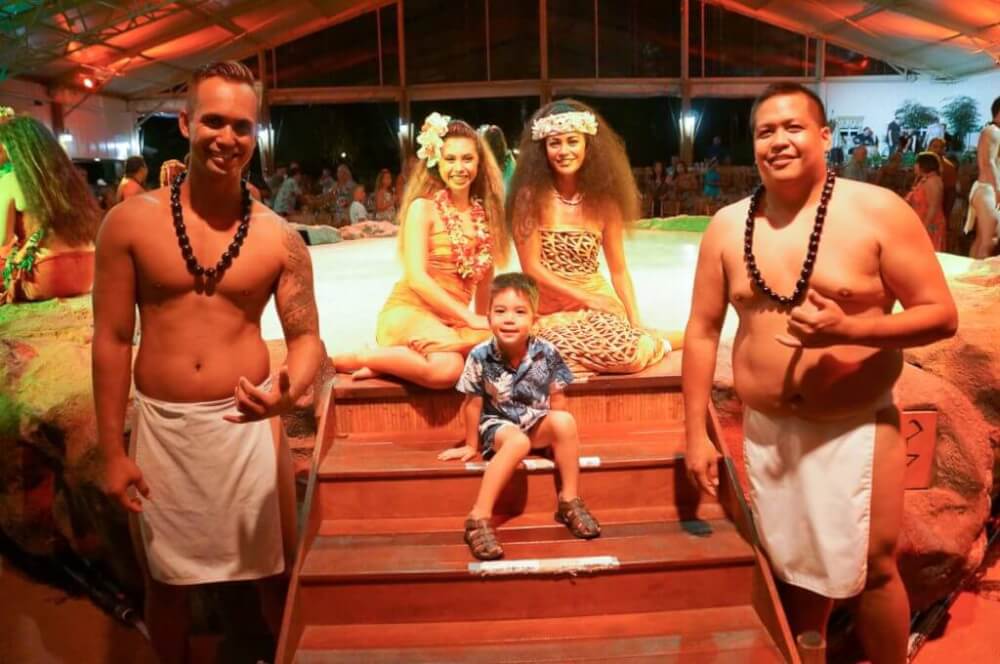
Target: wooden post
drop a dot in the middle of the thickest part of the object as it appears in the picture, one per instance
(264, 121)
(405, 129)
(543, 50)
(687, 137)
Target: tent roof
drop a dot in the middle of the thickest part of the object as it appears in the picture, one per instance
(136, 48)
(944, 38)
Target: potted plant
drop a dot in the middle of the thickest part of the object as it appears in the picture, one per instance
(962, 117)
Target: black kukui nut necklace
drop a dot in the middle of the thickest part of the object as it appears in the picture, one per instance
(195, 268)
(810, 261)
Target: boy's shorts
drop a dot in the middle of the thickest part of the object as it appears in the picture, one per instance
(488, 434)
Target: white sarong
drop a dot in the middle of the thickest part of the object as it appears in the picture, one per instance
(978, 189)
(810, 493)
(213, 513)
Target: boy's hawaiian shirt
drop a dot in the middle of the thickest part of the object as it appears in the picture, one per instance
(518, 396)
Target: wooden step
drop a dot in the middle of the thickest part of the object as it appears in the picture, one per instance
(427, 576)
(723, 634)
(624, 467)
(386, 404)
(705, 511)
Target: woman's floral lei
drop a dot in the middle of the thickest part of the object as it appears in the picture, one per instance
(431, 138)
(473, 256)
(6, 112)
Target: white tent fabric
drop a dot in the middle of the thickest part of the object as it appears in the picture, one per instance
(135, 49)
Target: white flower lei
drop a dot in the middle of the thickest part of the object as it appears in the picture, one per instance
(431, 138)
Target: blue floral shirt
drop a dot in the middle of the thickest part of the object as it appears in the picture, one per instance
(518, 396)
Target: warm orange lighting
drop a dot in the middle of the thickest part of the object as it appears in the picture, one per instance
(88, 82)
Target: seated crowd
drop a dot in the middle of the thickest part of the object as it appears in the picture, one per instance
(701, 189)
(330, 201)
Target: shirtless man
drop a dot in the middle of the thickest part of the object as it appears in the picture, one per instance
(131, 185)
(215, 477)
(983, 215)
(815, 371)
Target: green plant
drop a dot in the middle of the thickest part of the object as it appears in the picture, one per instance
(915, 116)
(962, 116)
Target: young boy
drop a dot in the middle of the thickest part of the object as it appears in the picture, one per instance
(515, 403)
(358, 211)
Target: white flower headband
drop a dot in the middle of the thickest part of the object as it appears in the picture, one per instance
(564, 123)
(431, 138)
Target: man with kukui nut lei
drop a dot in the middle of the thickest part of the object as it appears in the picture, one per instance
(216, 498)
(813, 266)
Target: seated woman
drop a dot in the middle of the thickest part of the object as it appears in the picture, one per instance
(572, 194)
(48, 216)
(451, 237)
(926, 195)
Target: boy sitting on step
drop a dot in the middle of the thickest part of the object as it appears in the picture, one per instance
(515, 403)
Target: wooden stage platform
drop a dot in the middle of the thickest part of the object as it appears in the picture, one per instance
(383, 574)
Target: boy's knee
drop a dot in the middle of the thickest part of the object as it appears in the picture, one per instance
(563, 423)
(515, 440)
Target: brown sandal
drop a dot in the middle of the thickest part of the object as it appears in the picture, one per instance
(482, 539)
(578, 519)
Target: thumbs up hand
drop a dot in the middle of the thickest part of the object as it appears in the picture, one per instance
(817, 322)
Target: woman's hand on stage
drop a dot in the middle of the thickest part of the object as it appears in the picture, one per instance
(464, 453)
(477, 322)
(702, 462)
(121, 473)
(255, 404)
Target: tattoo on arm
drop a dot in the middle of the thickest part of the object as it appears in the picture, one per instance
(294, 297)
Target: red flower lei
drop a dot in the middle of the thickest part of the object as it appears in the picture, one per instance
(473, 256)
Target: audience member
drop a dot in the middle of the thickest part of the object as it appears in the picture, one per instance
(326, 182)
(656, 188)
(857, 167)
(925, 197)
(277, 179)
(169, 170)
(892, 175)
(716, 150)
(711, 187)
(286, 201)
(344, 192)
(385, 200)
(949, 176)
(135, 177)
(358, 212)
(498, 146)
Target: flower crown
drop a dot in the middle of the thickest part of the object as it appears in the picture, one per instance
(584, 122)
(431, 138)
(6, 112)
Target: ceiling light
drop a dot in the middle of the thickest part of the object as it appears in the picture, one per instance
(88, 82)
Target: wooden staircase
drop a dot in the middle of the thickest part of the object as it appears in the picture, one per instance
(383, 574)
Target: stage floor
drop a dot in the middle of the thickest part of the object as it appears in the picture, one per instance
(353, 279)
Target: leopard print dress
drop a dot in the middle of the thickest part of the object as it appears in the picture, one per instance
(591, 342)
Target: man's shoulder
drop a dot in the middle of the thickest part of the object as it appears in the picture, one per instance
(866, 194)
(877, 208)
(728, 219)
(135, 214)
